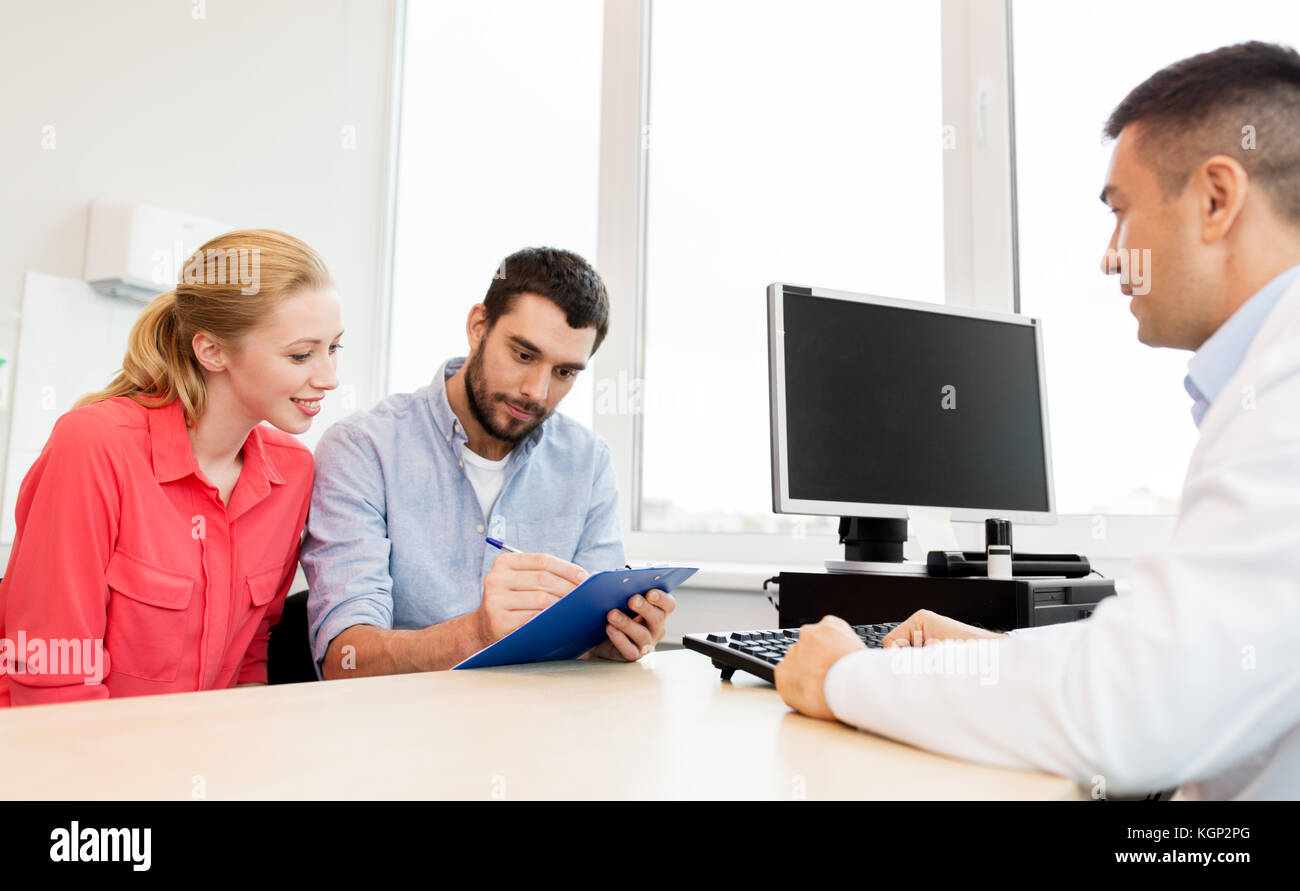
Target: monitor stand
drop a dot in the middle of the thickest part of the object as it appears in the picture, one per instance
(903, 567)
(874, 545)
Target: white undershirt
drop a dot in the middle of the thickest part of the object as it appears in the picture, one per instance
(486, 477)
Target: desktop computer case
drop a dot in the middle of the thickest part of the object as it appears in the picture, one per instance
(1001, 605)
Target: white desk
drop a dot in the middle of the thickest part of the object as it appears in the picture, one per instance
(665, 727)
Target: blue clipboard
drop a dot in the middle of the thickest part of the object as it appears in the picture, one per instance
(576, 622)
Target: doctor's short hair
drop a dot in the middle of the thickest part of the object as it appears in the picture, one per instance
(1241, 100)
(562, 277)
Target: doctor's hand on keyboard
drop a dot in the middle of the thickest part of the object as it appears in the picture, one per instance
(801, 675)
(923, 627)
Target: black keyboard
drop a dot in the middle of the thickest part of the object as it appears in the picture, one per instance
(757, 652)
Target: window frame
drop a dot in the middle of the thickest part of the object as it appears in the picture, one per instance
(981, 254)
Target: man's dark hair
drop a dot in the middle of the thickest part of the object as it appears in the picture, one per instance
(562, 277)
(1201, 107)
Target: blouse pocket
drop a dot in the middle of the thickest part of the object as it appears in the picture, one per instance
(259, 591)
(147, 613)
(263, 585)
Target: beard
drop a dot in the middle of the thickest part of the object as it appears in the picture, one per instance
(482, 402)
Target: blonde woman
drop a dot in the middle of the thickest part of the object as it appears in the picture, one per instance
(158, 531)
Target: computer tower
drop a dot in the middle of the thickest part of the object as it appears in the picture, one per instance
(996, 604)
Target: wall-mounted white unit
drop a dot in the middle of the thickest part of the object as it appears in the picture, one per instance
(136, 251)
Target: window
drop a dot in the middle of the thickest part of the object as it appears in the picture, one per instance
(500, 136)
(722, 145)
(795, 142)
(1122, 431)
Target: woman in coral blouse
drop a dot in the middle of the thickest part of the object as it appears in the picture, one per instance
(158, 531)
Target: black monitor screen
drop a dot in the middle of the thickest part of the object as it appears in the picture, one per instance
(886, 405)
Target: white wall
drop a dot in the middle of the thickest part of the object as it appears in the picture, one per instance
(238, 115)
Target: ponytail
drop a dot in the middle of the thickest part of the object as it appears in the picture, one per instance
(157, 367)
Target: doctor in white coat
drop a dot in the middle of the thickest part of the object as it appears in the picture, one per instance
(1191, 680)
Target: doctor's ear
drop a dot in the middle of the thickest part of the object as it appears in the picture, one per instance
(211, 355)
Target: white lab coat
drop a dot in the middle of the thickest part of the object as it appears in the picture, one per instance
(1193, 678)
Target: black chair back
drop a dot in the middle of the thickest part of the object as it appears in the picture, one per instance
(288, 656)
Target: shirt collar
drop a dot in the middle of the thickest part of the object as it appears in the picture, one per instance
(257, 457)
(169, 439)
(449, 426)
(1220, 356)
(173, 455)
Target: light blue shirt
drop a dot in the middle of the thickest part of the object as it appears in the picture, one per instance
(1219, 357)
(395, 534)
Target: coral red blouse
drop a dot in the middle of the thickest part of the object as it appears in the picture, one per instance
(123, 544)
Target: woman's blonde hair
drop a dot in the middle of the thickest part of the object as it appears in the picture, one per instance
(227, 287)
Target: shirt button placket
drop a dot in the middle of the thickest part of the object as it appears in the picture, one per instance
(217, 602)
(208, 520)
(221, 599)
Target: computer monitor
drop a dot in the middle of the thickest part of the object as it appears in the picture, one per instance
(880, 404)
